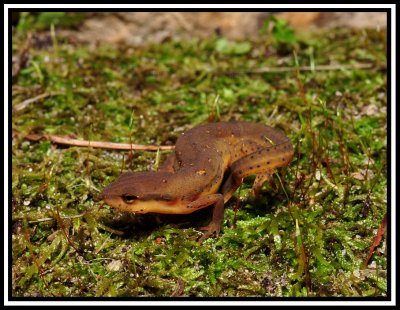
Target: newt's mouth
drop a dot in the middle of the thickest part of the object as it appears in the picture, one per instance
(147, 206)
(117, 203)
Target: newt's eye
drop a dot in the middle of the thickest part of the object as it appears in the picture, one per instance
(129, 198)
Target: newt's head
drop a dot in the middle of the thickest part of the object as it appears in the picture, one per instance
(142, 192)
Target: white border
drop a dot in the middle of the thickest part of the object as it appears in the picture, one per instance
(393, 153)
(203, 6)
(216, 6)
(6, 152)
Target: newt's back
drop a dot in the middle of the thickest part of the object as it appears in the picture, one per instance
(226, 141)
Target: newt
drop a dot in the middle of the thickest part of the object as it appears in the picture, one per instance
(206, 167)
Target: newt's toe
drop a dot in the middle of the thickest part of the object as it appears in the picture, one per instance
(209, 230)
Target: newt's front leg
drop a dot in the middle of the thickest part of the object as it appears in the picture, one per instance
(218, 213)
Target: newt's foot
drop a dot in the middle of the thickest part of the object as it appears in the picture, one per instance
(261, 178)
(210, 229)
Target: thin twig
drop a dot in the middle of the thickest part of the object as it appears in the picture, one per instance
(315, 68)
(64, 231)
(22, 105)
(377, 240)
(21, 60)
(97, 144)
(48, 219)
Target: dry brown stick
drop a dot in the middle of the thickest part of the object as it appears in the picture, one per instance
(22, 105)
(316, 68)
(97, 144)
(48, 219)
(377, 240)
(20, 61)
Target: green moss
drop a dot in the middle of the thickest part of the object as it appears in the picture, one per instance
(43, 20)
(66, 244)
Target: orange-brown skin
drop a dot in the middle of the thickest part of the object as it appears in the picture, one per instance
(192, 177)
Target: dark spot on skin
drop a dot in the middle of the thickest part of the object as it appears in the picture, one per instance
(258, 166)
(251, 167)
(283, 159)
(252, 156)
(268, 162)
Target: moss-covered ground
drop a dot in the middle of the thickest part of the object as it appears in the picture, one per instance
(310, 236)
